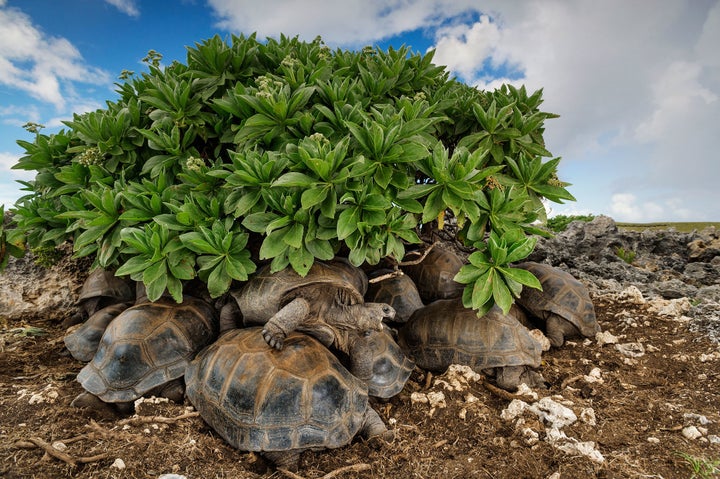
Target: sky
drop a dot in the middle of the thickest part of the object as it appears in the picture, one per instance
(636, 83)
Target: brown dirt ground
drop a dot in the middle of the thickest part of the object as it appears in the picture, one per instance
(640, 398)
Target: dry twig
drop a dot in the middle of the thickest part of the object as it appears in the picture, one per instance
(352, 468)
(153, 419)
(58, 454)
(420, 259)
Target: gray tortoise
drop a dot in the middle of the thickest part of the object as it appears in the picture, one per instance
(101, 289)
(327, 303)
(398, 290)
(279, 403)
(434, 275)
(82, 340)
(564, 304)
(445, 333)
(391, 368)
(145, 351)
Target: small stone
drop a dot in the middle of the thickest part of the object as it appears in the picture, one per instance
(118, 464)
(605, 337)
(594, 376)
(714, 439)
(436, 399)
(691, 432)
(653, 440)
(587, 415)
(171, 476)
(60, 446)
(462, 414)
(633, 350)
(420, 398)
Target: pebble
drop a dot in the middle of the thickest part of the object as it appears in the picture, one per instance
(633, 350)
(691, 432)
(118, 464)
(60, 446)
(171, 476)
(587, 415)
(605, 337)
(653, 440)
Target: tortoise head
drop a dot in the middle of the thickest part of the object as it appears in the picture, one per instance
(370, 316)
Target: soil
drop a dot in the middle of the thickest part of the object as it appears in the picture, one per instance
(637, 409)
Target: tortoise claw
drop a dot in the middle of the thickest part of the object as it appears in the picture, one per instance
(275, 340)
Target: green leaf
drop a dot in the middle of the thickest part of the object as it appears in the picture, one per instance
(198, 243)
(301, 260)
(273, 245)
(294, 178)
(313, 197)
(294, 236)
(501, 295)
(347, 222)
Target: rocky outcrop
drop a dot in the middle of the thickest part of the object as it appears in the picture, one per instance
(661, 264)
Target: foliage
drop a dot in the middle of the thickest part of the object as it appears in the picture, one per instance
(559, 223)
(701, 468)
(11, 242)
(287, 152)
(626, 255)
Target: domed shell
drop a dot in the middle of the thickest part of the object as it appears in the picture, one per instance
(147, 346)
(391, 367)
(400, 292)
(82, 340)
(261, 399)
(563, 295)
(445, 333)
(103, 283)
(434, 275)
(266, 293)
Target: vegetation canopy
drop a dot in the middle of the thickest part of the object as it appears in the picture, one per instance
(288, 152)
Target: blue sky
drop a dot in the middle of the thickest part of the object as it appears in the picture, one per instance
(637, 84)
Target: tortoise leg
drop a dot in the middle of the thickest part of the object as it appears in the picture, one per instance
(285, 321)
(510, 377)
(558, 329)
(228, 315)
(361, 357)
(174, 390)
(289, 460)
(373, 426)
(85, 400)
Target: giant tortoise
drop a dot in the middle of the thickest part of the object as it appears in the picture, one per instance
(445, 332)
(563, 304)
(279, 403)
(145, 351)
(326, 303)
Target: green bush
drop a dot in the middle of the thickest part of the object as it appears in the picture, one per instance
(293, 152)
(560, 223)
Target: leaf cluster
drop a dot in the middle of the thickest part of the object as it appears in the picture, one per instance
(288, 152)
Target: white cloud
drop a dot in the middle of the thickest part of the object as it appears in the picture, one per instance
(627, 207)
(126, 6)
(42, 66)
(342, 22)
(621, 75)
(7, 160)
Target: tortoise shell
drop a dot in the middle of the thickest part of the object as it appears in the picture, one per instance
(399, 292)
(82, 340)
(266, 292)
(102, 284)
(445, 333)
(562, 294)
(261, 399)
(434, 275)
(147, 346)
(391, 368)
